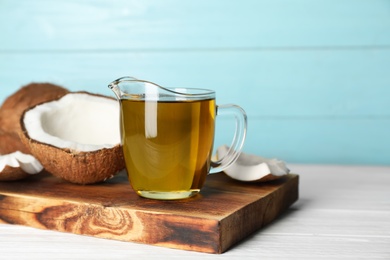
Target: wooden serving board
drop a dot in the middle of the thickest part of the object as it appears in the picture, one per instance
(224, 213)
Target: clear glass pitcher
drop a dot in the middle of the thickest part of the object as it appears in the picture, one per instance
(168, 136)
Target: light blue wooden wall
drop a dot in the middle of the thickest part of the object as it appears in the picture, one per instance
(313, 76)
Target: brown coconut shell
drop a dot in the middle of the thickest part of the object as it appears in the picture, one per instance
(10, 142)
(76, 166)
(12, 174)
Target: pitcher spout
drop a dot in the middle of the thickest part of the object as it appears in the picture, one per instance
(115, 86)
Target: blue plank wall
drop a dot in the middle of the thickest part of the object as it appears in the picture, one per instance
(313, 76)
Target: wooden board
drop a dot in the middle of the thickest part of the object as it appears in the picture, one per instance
(223, 214)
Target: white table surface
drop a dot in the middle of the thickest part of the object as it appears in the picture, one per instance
(343, 213)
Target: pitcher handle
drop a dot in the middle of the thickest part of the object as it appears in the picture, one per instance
(238, 140)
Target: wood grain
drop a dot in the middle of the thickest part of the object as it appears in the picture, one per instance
(223, 214)
(343, 213)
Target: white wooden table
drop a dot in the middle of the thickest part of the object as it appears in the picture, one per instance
(343, 213)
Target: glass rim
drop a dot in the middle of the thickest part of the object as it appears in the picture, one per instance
(183, 92)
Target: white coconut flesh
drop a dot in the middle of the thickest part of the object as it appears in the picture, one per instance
(26, 162)
(249, 167)
(78, 121)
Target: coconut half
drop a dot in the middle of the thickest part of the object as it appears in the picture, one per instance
(15, 161)
(26, 97)
(76, 138)
(253, 168)
(17, 166)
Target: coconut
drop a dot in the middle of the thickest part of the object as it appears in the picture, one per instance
(10, 113)
(76, 137)
(254, 168)
(26, 97)
(17, 165)
(12, 152)
(10, 142)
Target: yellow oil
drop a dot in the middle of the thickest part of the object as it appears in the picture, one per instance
(167, 146)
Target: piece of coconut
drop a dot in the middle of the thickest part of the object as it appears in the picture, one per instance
(17, 165)
(26, 97)
(76, 138)
(249, 167)
(10, 113)
(12, 109)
